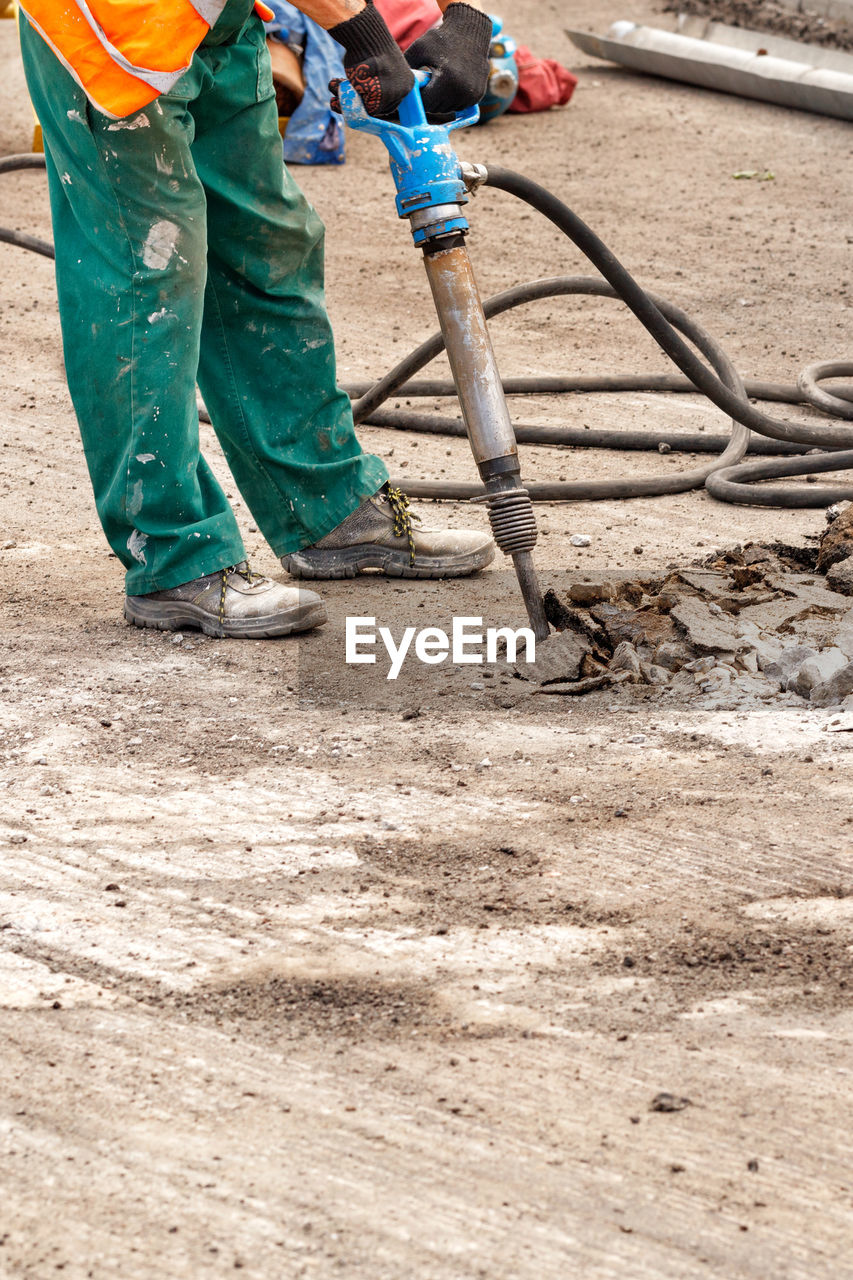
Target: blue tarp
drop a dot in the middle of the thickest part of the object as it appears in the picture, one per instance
(315, 133)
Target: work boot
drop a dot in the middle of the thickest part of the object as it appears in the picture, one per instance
(231, 602)
(384, 534)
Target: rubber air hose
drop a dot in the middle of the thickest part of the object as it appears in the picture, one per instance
(8, 164)
(644, 308)
(549, 491)
(396, 382)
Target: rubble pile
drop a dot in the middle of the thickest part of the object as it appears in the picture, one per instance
(744, 625)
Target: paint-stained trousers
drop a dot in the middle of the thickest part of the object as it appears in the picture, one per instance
(185, 252)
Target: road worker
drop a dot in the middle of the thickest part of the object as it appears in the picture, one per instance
(185, 254)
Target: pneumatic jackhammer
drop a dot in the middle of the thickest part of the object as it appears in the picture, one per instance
(432, 186)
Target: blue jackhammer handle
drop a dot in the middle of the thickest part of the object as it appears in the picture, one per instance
(411, 112)
(411, 109)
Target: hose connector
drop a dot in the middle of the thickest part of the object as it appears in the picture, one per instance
(473, 175)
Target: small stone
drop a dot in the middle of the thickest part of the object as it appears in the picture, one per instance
(672, 655)
(7, 546)
(18, 838)
(787, 664)
(638, 551)
(668, 1102)
(715, 680)
(590, 592)
(626, 658)
(835, 689)
(653, 674)
(580, 540)
(816, 670)
(177, 638)
(836, 541)
(700, 665)
(752, 1165)
(840, 577)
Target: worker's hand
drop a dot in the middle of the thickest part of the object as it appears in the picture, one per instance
(457, 54)
(374, 64)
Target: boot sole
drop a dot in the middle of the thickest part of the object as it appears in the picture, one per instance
(348, 562)
(173, 615)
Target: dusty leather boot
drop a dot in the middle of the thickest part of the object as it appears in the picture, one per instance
(384, 534)
(231, 602)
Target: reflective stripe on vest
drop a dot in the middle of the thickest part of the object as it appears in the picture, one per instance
(123, 55)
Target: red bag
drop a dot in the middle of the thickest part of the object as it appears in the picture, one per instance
(542, 82)
(408, 19)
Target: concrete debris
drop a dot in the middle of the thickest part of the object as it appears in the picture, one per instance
(840, 577)
(844, 638)
(836, 541)
(832, 513)
(744, 625)
(672, 655)
(580, 540)
(653, 674)
(707, 631)
(625, 658)
(834, 690)
(787, 664)
(575, 687)
(591, 592)
(817, 670)
(557, 658)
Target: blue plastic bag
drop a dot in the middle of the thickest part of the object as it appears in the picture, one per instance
(315, 133)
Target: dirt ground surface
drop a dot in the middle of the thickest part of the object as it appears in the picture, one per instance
(804, 22)
(306, 974)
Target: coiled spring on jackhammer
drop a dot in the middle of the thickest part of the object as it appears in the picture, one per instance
(512, 520)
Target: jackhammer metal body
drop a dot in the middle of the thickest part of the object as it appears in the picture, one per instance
(431, 190)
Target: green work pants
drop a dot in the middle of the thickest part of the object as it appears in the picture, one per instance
(185, 253)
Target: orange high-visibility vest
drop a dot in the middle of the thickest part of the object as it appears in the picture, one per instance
(125, 54)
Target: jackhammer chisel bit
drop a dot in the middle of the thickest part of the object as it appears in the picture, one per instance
(431, 190)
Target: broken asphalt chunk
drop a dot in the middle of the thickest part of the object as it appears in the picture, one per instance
(706, 631)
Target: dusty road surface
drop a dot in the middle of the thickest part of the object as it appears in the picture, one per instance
(305, 975)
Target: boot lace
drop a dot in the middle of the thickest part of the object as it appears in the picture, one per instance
(403, 518)
(246, 572)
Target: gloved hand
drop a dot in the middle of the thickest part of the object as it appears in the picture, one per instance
(457, 54)
(373, 61)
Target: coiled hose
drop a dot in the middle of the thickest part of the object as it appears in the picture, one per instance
(726, 477)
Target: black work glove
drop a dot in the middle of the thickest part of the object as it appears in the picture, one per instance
(457, 54)
(373, 61)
